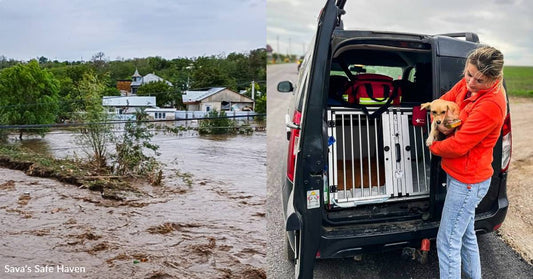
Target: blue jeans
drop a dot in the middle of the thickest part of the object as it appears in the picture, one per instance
(456, 240)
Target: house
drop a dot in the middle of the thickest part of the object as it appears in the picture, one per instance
(138, 81)
(219, 98)
(127, 104)
(124, 86)
(161, 113)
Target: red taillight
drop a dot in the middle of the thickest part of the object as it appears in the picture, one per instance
(293, 145)
(506, 143)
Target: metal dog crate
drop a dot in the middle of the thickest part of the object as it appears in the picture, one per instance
(376, 160)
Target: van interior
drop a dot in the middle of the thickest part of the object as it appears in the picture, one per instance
(378, 164)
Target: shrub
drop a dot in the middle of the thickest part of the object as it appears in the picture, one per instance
(131, 147)
(217, 123)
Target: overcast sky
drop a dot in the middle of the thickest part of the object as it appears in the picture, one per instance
(78, 29)
(504, 24)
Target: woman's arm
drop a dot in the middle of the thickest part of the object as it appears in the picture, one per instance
(480, 123)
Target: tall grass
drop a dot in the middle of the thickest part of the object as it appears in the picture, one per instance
(519, 80)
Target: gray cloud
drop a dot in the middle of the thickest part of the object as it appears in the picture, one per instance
(506, 25)
(74, 29)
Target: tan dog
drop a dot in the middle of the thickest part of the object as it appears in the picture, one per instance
(442, 112)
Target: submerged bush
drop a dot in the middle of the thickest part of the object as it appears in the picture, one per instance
(217, 123)
(131, 150)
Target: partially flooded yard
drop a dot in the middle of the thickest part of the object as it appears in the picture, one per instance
(207, 220)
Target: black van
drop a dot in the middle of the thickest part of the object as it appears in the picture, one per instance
(359, 177)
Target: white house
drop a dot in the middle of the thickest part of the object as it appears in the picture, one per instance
(161, 113)
(219, 98)
(127, 104)
(138, 80)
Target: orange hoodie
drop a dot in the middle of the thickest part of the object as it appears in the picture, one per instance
(467, 154)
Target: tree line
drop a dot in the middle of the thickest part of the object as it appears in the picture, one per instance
(43, 91)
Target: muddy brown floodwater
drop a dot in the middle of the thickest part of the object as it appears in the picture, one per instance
(206, 221)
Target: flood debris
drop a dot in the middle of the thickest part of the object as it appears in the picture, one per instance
(41, 232)
(24, 199)
(9, 185)
(205, 249)
(254, 273)
(248, 273)
(170, 227)
(99, 247)
(119, 257)
(22, 213)
(162, 229)
(159, 275)
(88, 236)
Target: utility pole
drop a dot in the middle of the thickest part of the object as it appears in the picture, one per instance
(278, 50)
(253, 95)
(289, 51)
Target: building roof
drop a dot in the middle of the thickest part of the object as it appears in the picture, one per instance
(160, 110)
(136, 74)
(154, 78)
(196, 96)
(129, 101)
(147, 79)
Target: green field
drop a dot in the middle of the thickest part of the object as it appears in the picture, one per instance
(519, 80)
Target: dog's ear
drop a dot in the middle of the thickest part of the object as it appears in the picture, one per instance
(453, 108)
(425, 105)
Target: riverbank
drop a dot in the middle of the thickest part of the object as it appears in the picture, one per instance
(78, 173)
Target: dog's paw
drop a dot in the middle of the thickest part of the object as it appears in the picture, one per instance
(429, 141)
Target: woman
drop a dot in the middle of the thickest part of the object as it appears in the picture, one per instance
(467, 157)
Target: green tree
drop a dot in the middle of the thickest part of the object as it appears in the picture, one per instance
(66, 89)
(208, 75)
(257, 64)
(260, 104)
(6, 63)
(111, 91)
(121, 70)
(43, 60)
(157, 63)
(131, 158)
(94, 135)
(28, 95)
(160, 89)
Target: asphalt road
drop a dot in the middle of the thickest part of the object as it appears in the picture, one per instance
(497, 259)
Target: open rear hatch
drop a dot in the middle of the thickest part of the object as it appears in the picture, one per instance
(378, 162)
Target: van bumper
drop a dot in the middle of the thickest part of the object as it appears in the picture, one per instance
(351, 240)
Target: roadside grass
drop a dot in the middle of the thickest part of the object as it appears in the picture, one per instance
(519, 81)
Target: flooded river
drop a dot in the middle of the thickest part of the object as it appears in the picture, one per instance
(206, 221)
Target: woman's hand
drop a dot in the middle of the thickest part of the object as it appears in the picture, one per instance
(445, 130)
